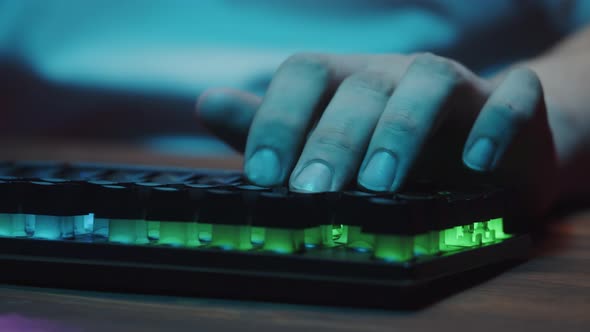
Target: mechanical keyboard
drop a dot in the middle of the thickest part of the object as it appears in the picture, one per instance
(210, 233)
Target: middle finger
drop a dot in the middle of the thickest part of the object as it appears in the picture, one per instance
(407, 121)
(335, 148)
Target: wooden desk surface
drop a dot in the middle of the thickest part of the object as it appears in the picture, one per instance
(551, 292)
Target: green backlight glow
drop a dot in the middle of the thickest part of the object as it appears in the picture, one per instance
(472, 235)
(258, 235)
(122, 231)
(327, 232)
(313, 237)
(128, 231)
(358, 240)
(394, 248)
(153, 230)
(426, 244)
(205, 231)
(338, 232)
(497, 225)
(386, 247)
(461, 236)
(319, 236)
(284, 241)
(141, 232)
(231, 237)
(178, 234)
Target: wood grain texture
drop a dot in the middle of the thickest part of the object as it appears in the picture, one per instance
(550, 292)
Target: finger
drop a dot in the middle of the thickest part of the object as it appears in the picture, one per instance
(280, 125)
(510, 108)
(333, 152)
(408, 119)
(229, 114)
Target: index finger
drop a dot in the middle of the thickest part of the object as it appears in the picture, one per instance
(280, 126)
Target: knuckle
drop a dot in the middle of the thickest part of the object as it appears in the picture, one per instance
(437, 65)
(315, 63)
(398, 124)
(334, 139)
(528, 80)
(370, 82)
(511, 113)
(276, 127)
(527, 76)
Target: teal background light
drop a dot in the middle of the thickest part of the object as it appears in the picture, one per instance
(166, 52)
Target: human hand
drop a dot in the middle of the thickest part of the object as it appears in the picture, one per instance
(383, 120)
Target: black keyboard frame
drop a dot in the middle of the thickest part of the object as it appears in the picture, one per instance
(321, 277)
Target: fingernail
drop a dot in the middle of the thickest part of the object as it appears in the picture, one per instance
(481, 154)
(263, 168)
(315, 177)
(379, 173)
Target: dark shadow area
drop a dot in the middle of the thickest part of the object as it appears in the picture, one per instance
(408, 299)
(33, 107)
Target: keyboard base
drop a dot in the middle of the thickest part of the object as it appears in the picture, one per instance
(251, 275)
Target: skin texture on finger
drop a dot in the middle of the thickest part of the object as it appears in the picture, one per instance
(511, 107)
(228, 114)
(294, 101)
(221, 109)
(284, 117)
(528, 163)
(334, 150)
(410, 117)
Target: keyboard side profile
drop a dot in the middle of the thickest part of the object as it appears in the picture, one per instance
(210, 233)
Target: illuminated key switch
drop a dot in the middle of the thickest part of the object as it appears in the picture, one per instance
(250, 194)
(173, 210)
(197, 192)
(227, 212)
(324, 231)
(351, 211)
(471, 219)
(397, 223)
(123, 205)
(423, 210)
(12, 224)
(285, 216)
(55, 206)
(12, 219)
(71, 226)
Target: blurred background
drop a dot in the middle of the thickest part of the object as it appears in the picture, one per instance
(129, 71)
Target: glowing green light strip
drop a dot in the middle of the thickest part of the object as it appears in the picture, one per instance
(319, 236)
(128, 231)
(284, 241)
(394, 248)
(153, 230)
(258, 235)
(205, 232)
(178, 234)
(231, 237)
(358, 240)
